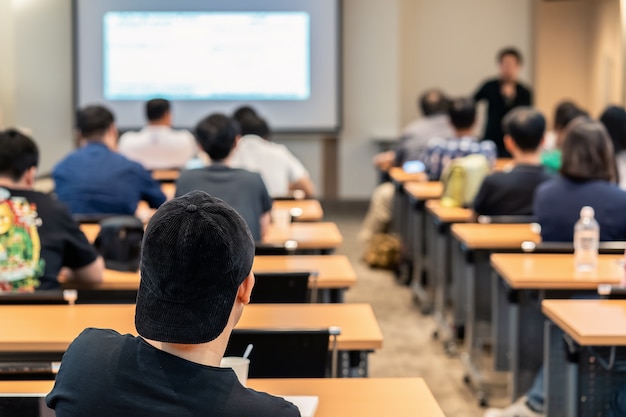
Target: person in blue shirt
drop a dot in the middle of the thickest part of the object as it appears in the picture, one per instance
(95, 179)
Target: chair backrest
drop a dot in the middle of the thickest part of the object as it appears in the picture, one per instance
(612, 292)
(287, 353)
(281, 287)
(38, 297)
(119, 242)
(506, 219)
(289, 247)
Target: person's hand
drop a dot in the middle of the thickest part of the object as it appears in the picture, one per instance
(508, 91)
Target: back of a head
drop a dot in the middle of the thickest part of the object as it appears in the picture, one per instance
(614, 120)
(18, 154)
(253, 125)
(462, 113)
(433, 102)
(93, 122)
(565, 112)
(156, 109)
(526, 126)
(216, 134)
(588, 152)
(243, 112)
(196, 252)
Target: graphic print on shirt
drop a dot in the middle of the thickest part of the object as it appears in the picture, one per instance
(20, 247)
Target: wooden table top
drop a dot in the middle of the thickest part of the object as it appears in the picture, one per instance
(318, 235)
(52, 328)
(333, 271)
(166, 175)
(589, 322)
(398, 175)
(308, 210)
(321, 235)
(554, 271)
(338, 397)
(424, 190)
(503, 164)
(448, 214)
(494, 236)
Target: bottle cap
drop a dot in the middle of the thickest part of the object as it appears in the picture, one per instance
(587, 212)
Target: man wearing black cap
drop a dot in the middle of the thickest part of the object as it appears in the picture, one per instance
(195, 281)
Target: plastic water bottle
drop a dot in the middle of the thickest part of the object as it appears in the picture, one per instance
(586, 240)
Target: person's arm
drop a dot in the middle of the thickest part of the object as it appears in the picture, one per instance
(481, 94)
(89, 273)
(480, 205)
(298, 175)
(305, 184)
(264, 222)
(385, 160)
(150, 188)
(266, 206)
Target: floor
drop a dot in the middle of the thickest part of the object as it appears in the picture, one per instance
(409, 349)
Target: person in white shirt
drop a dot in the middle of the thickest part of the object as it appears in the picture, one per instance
(158, 146)
(281, 171)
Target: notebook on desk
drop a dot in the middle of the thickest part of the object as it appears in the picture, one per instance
(307, 404)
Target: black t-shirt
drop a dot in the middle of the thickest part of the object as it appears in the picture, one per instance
(510, 193)
(62, 242)
(243, 190)
(105, 374)
(498, 107)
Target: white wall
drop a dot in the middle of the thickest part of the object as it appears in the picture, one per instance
(393, 49)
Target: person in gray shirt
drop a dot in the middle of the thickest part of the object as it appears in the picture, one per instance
(243, 190)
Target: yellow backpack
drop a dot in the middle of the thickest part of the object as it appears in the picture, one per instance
(462, 179)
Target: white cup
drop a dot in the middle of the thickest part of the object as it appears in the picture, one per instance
(281, 218)
(239, 365)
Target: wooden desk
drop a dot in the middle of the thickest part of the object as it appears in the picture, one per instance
(333, 271)
(494, 236)
(424, 190)
(315, 236)
(589, 322)
(311, 210)
(398, 175)
(503, 164)
(554, 271)
(598, 329)
(448, 214)
(340, 397)
(52, 328)
(166, 175)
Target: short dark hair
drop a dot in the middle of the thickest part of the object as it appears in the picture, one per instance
(565, 112)
(252, 125)
(462, 113)
(432, 102)
(526, 126)
(510, 51)
(588, 152)
(614, 120)
(244, 111)
(157, 108)
(18, 154)
(93, 121)
(216, 135)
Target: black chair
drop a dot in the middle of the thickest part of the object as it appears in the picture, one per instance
(19, 366)
(91, 218)
(47, 297)
(287, 248)
(612, 292)
(287, 353)
(506, 219)
(281, 287)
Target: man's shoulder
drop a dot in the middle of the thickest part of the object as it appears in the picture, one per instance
(260, 404)
(91, 341)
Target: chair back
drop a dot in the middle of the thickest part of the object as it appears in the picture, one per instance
(281, 287)
(47, 297)
(287, 353)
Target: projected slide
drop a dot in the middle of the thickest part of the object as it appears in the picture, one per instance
(207, 55)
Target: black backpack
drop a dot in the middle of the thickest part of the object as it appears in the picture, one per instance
(119, 242)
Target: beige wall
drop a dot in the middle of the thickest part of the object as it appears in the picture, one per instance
(579, 54)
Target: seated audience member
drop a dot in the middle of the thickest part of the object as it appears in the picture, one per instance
(512, 193)
(587, 179)
(614, 119)
(440, 151)
(243, 190)
(36, 230)
(95, 179)
(196, 279)
(158, 146)
(281, 171)
(565, 112)
(435, 123)
(243, 112)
